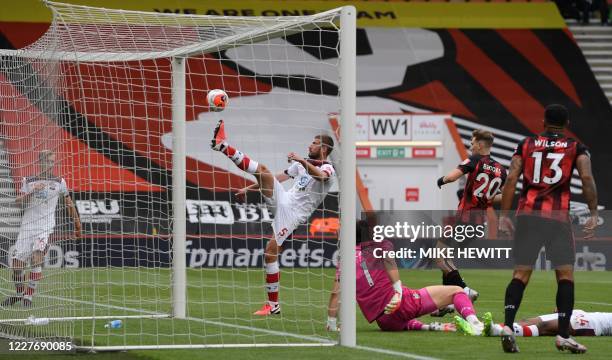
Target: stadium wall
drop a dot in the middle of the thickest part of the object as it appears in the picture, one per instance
(494, 65)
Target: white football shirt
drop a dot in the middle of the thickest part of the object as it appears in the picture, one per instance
(39, 214)
(307, 193)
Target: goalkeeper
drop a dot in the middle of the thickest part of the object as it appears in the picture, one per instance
(382, 297)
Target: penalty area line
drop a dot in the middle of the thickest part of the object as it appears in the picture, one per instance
(406, 355)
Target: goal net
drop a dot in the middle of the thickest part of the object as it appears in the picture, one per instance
(105, 123)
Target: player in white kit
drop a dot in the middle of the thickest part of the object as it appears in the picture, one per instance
(313, 177)
(582, 323)
(38, 197)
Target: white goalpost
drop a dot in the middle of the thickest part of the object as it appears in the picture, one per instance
(107, 112)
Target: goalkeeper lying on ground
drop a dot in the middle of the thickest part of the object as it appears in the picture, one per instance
(414, 324)
(382, 297)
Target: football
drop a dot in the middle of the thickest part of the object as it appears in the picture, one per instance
(217, 100)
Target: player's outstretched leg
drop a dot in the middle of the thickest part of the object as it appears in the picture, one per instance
(271, 307)
(265, 178)
(524, 328)
(219, 143)
(445, 295)
(18, 280)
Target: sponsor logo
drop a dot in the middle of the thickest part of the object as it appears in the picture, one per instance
(302, 256)
(98, 211)
(209, 212)
(427, 127)
(222, 212)
(55, 257)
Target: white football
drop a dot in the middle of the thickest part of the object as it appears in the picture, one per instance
(217, 100)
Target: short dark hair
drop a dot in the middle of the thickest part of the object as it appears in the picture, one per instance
(327, 141)
(362, 231)
(483, 135)
(556, 115)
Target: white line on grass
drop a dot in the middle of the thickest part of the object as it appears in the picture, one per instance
(244, 327)
(594, 303)
(212, 322)
(395, 353)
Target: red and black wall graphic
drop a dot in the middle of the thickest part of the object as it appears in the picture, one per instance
(498, 78)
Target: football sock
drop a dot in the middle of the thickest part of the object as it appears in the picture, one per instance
(35, 275)
(240, 159)
(565, 305)
(18, 279)
(514, 295)
(272, 278)
(530, 330)
(463, 305)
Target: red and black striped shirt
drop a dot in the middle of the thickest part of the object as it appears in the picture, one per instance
(549, 160)
(486, 178)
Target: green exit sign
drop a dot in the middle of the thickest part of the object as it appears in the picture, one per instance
(391, 152)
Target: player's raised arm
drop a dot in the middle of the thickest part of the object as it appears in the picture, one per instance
(467, 166)
(452, 176)
(589, 190)
(315, 172)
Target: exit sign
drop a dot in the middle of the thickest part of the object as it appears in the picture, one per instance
(390, 152)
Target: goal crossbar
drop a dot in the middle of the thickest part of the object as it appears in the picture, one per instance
(255, 31)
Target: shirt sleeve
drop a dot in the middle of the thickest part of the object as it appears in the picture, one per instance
(25, 186)
(64, 188)
(582, 149)
(469, 164)
(519, 148)
(293, 169)
(328, 169)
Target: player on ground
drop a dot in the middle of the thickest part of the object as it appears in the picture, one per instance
(546, 162)
(38, 196)
(582, 323)
(414, 324)
(313, 179)
(382, 297)
(485, 178)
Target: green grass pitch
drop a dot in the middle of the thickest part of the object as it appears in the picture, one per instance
(220, 303)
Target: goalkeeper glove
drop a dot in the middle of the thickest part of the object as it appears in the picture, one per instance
(396, 299)
(441, 182)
